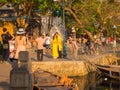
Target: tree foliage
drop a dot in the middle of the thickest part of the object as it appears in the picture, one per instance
(89, 12)
(83, 14)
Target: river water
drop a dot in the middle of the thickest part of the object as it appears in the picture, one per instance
(95, 81)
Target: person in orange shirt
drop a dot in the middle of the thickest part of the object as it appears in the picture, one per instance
(40, 42)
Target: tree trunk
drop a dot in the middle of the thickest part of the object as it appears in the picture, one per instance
(81, 25)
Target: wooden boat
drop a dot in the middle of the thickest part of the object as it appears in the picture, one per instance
(44, 80)
(112, 71)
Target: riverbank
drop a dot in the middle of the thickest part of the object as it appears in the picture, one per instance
(80, 67)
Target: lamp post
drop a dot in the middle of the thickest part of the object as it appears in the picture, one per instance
(63, 18)
(63, 28)
(74, 33)
(114, 43)
(114, 28)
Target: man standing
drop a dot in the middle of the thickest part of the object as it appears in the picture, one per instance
(5, 42)
(74, 48)
(57, 46)
(60, 44)
(40, 42)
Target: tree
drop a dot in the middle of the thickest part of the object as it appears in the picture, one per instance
(83, 14)
(89, 12)
(80, 10)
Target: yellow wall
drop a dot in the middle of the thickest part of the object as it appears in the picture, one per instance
(9, 27)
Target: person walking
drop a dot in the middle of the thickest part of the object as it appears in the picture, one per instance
(40, 42)
(20, 42)
(74, 48)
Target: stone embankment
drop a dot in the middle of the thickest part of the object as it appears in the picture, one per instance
(80, 67)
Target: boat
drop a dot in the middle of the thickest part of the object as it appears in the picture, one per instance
(112, 71)
(44, 80)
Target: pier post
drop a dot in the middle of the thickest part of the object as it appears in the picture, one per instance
(21, 77)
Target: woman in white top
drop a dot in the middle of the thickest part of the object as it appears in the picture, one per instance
(47, 43)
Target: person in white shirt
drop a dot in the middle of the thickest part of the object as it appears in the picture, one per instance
(47, 43)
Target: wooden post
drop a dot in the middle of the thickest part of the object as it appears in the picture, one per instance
(21, 78)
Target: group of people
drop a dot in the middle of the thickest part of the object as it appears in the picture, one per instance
(13, 44)
(52, 45)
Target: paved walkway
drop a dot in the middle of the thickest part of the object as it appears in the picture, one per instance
(4, 76)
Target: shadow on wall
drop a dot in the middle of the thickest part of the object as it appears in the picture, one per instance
(4, 86)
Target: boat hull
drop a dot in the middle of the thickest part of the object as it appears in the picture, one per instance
(111, 71)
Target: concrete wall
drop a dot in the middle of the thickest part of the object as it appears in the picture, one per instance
(74, 68)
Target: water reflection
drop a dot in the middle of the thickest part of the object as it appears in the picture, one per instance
(109, 84)
(86, 82)
(95, 81)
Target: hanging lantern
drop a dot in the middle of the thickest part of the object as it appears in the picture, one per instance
(25, 17)
(58, 13)
(38, 10)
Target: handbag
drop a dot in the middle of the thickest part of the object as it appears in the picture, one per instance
(5, 46)
(44, 45)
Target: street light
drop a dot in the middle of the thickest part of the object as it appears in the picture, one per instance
(63, 18)
(114, 28)
(63, 31)
(74, 33)
(114, 43)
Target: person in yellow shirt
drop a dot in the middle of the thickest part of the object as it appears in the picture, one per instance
(56, 45)
(60, 45)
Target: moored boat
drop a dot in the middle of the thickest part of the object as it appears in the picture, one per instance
(44, 80)
(112, 71)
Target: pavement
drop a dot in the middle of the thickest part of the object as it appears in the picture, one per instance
(4, 76)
